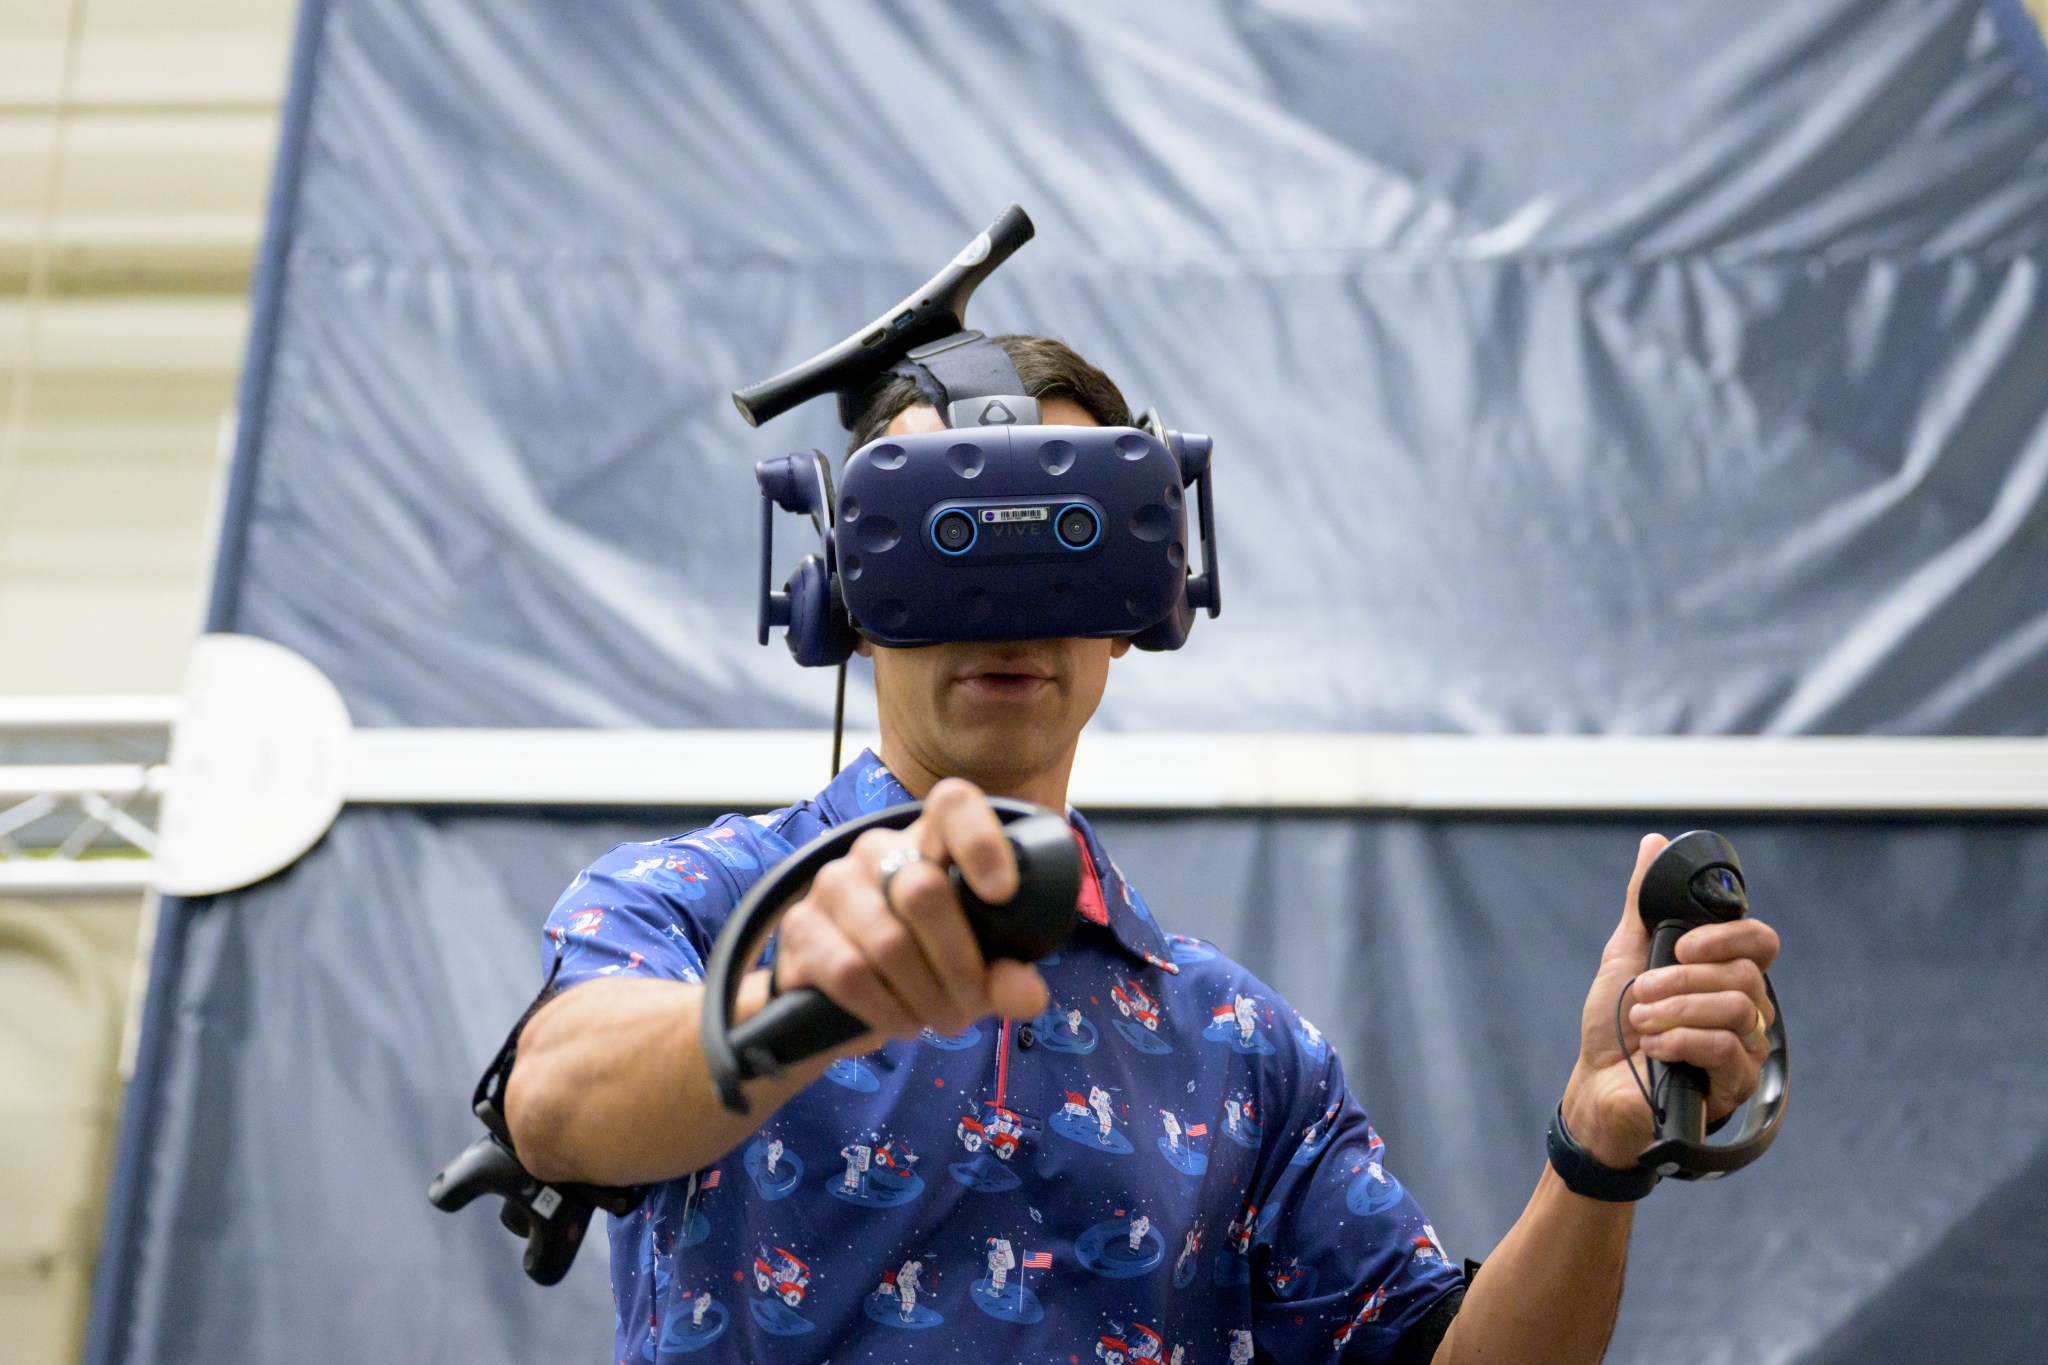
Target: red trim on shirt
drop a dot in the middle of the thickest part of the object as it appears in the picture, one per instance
(1002, 1063)
(1090, 904)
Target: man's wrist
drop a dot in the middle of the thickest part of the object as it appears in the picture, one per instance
(1585, 1174)
(1581, 1113)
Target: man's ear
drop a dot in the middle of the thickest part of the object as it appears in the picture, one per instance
(864, 649)
(1120, 646)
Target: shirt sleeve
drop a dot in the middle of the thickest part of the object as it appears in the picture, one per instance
(1353, 1263)
(649, 910)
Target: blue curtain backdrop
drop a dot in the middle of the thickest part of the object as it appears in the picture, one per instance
(1575, 367)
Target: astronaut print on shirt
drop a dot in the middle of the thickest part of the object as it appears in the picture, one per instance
(894, 1302)
(774, 1169)
(1167, 1165)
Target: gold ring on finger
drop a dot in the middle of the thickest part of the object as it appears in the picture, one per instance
(1756, 1032)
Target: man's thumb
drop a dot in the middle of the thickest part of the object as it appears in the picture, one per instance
(1630, 938)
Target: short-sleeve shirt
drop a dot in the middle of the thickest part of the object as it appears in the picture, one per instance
(1166, 1165)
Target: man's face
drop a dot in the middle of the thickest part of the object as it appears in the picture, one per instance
(999, 712)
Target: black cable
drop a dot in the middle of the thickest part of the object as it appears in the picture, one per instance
(838, 718)
(1621, 1041)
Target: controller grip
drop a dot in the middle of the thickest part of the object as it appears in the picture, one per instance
(551, 1218)
(1681, 1087)
(804, 1022)
(551, 1251)
(794, 1025)
(486, 1166)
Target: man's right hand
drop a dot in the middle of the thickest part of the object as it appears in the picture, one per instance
(910, 962)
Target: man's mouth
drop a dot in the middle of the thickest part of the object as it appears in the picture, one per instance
(1006, 679)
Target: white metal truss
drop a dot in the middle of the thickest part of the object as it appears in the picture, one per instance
(263, 758)
(89, 837)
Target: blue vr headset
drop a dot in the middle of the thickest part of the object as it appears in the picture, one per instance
(996, 528)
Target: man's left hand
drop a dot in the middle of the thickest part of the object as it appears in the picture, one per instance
(1709, 1010)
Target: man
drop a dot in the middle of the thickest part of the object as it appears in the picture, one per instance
(610, 1083)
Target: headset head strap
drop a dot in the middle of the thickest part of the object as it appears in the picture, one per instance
(970, 380)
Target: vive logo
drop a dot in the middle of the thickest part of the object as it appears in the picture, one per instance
(996, 414)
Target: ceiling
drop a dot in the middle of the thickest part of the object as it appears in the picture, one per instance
(135, 147)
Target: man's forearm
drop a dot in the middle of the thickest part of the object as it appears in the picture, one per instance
(1550, 1289)
(610, 1085)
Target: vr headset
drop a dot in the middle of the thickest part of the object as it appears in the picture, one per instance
(996, 528)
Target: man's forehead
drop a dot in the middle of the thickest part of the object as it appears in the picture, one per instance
(915, 420)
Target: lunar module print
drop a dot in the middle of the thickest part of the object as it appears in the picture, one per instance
(1137, 1343)
(782, 1278)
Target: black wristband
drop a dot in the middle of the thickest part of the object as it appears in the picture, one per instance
(1582, 1174)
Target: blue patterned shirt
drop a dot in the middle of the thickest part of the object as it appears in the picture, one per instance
(1167, 1165)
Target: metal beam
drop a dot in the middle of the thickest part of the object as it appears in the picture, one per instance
(64, 876)
(78, 779)
(1239, 771)
(90, 713)
(264, 758)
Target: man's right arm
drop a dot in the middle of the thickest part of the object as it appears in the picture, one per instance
(610, 1085)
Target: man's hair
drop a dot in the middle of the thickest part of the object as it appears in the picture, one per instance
(1050, 369)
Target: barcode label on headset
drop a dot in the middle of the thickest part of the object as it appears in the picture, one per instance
(999, 514)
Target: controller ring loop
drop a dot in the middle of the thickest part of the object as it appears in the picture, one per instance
(746, 931)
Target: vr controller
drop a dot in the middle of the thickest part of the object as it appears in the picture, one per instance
(996, 528)
(804, 1022)
(1695, 880)
(552, 1217)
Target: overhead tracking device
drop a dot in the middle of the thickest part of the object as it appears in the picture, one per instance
(997, 527)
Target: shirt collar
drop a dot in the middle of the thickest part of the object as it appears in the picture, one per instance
(1130, 921)
(862, 787)
(865, 786)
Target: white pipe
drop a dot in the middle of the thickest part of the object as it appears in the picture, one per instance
(79, 779)
(90, 713)
(85, 876)
(1236, 771)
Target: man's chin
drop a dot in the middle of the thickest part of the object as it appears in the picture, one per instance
(1009, 742)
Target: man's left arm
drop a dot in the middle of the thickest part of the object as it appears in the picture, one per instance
(1552, 1287)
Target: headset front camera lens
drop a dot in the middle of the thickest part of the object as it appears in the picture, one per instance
(1077, 528)
(954, 532)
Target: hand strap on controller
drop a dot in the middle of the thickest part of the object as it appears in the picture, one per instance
(1583, 1173)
